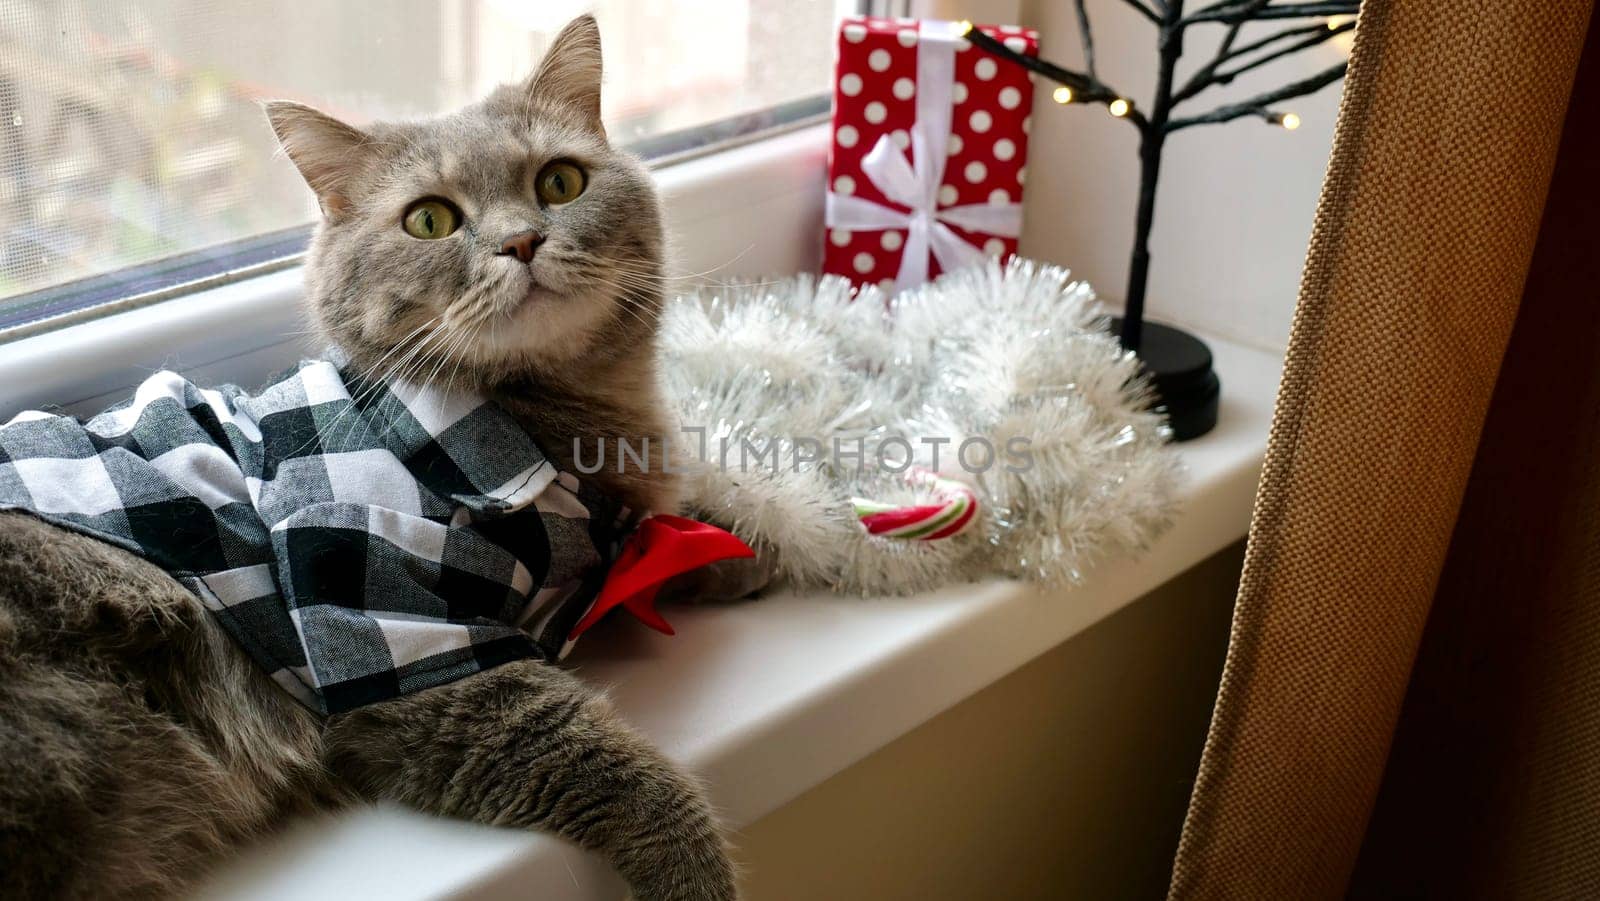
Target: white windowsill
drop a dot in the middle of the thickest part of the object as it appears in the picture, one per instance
(769, 698)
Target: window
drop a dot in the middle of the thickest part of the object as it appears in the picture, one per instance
(133, 156)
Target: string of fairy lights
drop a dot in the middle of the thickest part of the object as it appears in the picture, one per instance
(1080, 88)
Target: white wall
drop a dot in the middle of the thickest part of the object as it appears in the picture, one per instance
(1235, 203)
(1068, 778)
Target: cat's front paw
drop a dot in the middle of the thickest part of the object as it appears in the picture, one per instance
(706, 876)
(721, 582)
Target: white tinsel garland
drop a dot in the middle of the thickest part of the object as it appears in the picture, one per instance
(997, 353)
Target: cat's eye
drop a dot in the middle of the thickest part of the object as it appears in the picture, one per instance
(431, 219)
(559, 182)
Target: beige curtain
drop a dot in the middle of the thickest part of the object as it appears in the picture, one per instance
(1411, 701)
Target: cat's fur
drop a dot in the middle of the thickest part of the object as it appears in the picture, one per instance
(138, 744)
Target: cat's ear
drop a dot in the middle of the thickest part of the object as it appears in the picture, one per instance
(569, 74)
(327, 152)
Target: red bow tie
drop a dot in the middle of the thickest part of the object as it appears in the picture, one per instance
(661, 547)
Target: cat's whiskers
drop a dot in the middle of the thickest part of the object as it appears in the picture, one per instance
(655, 267)
(365, 392)
(617, 280)
(378, 381)
(445, 351)
(402, 342)
(651, 271)
(676, 284)
(481, 303)
(629, 304)
(451, 384)
(310, 331)
(635, 314)
(413, 367)
(639, 280)
(451, 351)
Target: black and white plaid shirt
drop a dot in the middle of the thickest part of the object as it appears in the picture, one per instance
(359, 539)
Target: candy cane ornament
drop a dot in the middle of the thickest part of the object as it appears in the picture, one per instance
(921, 522)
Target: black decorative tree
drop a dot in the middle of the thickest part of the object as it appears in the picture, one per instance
(1179, 363)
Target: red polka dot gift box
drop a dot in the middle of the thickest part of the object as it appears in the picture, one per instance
(930, 150)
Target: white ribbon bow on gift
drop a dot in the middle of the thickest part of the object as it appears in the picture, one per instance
(916, 185)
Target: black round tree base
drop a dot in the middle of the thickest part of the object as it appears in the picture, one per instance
(1179, 366)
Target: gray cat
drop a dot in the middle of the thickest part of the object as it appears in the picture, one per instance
(138, 743)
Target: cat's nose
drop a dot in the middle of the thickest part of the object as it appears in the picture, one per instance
(521, 245)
